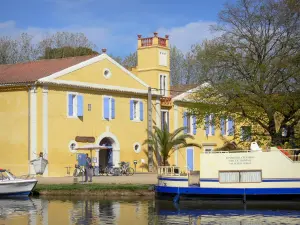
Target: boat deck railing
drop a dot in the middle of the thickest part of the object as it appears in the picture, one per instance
(231, 151)
(170, 171)
(292, 154)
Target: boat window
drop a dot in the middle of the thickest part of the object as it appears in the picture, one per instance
(4, 176)
(229, 177)
(250, 176)
(240, 176)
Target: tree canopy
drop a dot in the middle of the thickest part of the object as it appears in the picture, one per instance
(253, 67)
(58, 45)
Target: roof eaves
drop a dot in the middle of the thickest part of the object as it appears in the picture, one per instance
(95, 86)
(182, 96)
(15, 84)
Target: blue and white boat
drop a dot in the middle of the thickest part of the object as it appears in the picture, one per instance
(13, 186)
(240, 174)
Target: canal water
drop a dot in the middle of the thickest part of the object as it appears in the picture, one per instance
(132, 211)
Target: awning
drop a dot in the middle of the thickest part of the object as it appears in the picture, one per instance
(93, 147)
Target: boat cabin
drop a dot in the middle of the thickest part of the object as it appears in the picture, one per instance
(275, 171)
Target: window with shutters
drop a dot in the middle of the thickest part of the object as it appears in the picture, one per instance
(74, 105)
(108, 108)
(165, 119)
(209, 125)
(227, 126)
(246, 176)
(189, 122)
(136, 110)
(163, 58)
(163, 84)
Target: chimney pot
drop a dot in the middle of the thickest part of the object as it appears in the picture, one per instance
(103, 50)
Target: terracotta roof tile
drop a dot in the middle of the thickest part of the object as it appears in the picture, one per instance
(179, 89)
(32, 71)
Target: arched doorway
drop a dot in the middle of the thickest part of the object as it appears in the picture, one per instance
(106, 156)
(112, 156)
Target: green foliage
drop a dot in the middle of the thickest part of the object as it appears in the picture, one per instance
(165, 143)
(252, 69)
(64, 52)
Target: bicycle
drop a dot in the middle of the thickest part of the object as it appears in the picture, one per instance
(111, 170)
(79, 171)
(125, 169)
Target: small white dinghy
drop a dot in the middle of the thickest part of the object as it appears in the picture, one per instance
(13, 186)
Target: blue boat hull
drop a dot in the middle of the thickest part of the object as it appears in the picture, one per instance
(27, 193)
(163, 192)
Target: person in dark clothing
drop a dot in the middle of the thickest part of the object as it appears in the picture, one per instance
(88, 169)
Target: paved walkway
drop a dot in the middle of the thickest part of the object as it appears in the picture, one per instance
(140, 178)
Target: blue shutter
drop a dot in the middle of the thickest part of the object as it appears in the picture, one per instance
(222, 126)
(141, 111)
(131, 109)
(190, 159)
(185, 122)
(230, 127)
(207, 125)
(194, 125)
(213, 128)
(113, 110)
(106, 108)
(70, 105)
(79, 105)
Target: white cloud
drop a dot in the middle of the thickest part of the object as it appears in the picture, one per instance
(98, 35)
(109, 36)
(185, 36)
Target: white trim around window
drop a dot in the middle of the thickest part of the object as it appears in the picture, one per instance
(163, 84)
(103, 107)
(136, 110)
(75, 94)
(226, 128)
(210, 126)
(166, 119)
(137, 147)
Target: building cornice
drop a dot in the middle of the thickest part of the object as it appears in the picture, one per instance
(91, 86)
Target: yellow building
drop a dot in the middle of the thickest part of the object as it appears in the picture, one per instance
(54, 106)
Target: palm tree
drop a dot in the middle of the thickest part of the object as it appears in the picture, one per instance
(165, 143)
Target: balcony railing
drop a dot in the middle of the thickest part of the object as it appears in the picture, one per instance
(166, 101)
(146, 42)
(149, 42)
(162, 42)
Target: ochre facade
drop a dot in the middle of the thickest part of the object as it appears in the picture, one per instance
(95, 98)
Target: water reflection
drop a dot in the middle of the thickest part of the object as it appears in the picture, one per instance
(38, 211)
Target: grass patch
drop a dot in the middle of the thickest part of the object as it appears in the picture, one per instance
(89, 187)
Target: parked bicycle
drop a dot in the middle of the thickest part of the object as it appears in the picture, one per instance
(125, 169)
(109, 170)
(79, 171)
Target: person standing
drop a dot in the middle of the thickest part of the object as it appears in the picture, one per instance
(88, 169)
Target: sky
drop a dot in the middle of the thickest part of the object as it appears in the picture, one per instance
(113, 24)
